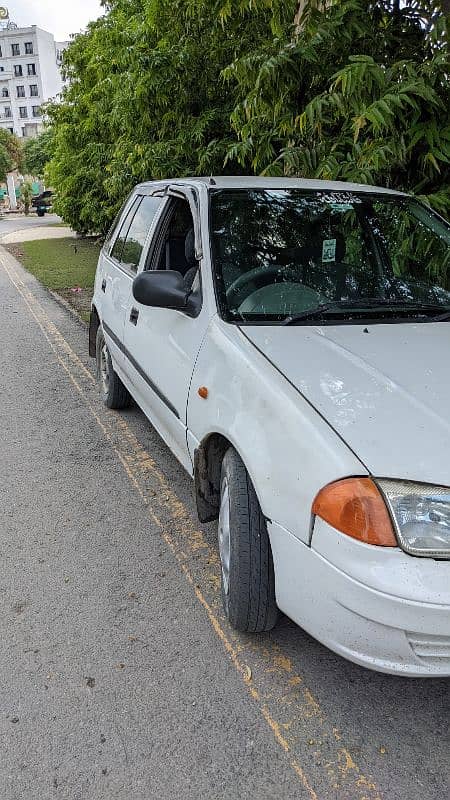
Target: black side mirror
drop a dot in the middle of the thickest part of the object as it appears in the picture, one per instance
(163, 288)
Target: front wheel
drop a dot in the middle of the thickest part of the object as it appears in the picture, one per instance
(248, 581)
(113, 392)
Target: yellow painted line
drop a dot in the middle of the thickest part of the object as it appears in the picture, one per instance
(291, 711)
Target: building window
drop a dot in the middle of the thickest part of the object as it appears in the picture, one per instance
(1, 54)
(18, 70)
(34, 90)
(36, 111)
(21, 91)
(7, 112)
(5, 92)
(15, 50)
(31, 68)
(11, 130)
(23, 112)
(29, 48)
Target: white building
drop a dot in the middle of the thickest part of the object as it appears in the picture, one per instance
(30, 75)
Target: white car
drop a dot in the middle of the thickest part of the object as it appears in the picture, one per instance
(290, 341)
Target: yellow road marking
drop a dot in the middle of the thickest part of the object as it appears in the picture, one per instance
(289, 708)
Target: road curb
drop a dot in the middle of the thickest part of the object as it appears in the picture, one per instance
(65, 304)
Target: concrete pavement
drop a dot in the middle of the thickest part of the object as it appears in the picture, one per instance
(119, 677)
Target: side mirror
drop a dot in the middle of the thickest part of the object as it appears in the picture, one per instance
(163, 288)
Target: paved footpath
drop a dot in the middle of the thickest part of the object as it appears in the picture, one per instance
(20, 228)
(119, 677)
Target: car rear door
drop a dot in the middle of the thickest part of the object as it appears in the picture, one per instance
(119, 267)
(113, 282)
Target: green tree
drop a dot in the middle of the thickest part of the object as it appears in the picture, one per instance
(26, 192)
(358, 91)
(37, 153)
(6, 163)
(10, 153)
(353, 90)
(144, 100)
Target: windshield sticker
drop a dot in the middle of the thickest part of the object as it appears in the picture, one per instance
(328, 250)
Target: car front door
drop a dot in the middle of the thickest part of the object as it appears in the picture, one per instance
(163, 343)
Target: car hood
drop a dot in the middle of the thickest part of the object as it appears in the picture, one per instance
(385, 389)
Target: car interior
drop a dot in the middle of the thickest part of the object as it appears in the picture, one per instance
(177, 246)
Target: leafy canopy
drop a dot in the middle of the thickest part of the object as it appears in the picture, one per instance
(358, 92)
(354, 90)
(145, 99)
(10, 153)
(37, 153)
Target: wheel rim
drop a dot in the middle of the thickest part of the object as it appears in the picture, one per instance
(224, 535)
(104, 367)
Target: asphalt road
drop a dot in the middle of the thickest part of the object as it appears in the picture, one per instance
(119, 677)
(17, 222)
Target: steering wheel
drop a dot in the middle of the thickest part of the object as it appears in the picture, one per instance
(260, 276)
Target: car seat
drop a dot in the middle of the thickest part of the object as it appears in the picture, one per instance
(191, 268)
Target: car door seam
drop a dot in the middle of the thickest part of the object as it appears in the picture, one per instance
(139, 369)
(188, 395)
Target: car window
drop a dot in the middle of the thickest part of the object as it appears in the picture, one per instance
(138, 230)
(411, 245)
(117, 248)
(283, 253)
(176, 248)
(112, 230)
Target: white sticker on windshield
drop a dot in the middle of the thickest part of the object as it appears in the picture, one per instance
(328, 250)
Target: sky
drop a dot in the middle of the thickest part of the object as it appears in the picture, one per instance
(60, 17)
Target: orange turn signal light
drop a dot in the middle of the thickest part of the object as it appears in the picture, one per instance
(356, 507)
(203, 392)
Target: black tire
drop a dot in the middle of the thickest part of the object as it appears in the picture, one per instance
(249, 594)
(40, 212)
(113, 392)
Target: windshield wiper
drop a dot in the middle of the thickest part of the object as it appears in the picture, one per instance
(440, 317)
(336, 305)
(362, 305)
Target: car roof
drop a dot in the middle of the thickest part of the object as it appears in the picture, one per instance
(254, 182)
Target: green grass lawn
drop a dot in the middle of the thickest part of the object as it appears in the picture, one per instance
(61, 263)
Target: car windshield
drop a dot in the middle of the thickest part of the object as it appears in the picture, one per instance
(293, 256)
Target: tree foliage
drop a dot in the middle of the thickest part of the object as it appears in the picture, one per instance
(37, 153)
(13, 147)
(6, 164)
(10, 153)
(145, 100)
(359, 92)
(355, 90)
(26, 195)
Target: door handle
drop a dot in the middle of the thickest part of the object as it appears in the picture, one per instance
(104, 285)
(134, 314)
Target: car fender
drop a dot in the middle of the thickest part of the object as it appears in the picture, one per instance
(289, 450)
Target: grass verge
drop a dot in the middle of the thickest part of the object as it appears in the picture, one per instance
(66, 266)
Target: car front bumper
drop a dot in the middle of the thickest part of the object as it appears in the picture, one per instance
(375, 606)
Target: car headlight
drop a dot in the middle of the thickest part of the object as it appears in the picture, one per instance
(421, 516)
